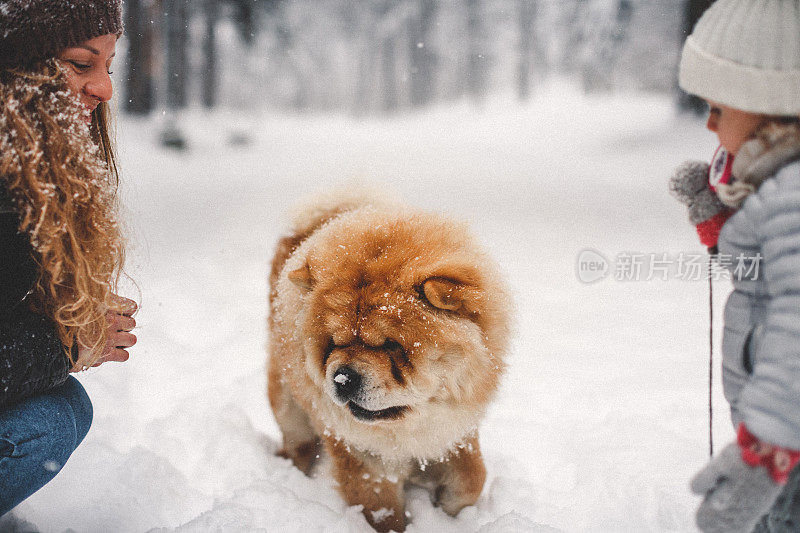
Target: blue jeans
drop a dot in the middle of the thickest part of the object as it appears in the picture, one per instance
(37, 436)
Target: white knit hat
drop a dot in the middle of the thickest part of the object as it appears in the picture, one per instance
(746, 54)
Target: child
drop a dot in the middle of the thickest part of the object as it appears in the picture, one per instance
(743, 58)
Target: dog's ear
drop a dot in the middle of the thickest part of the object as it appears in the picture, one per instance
(442, 293)
(453, 289)
(302, 277)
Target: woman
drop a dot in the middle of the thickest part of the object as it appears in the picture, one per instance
(61, 250)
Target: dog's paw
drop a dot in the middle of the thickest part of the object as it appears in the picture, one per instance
(451, 501)
(384, 520)
(303, 455)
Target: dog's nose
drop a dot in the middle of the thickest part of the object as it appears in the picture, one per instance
(347, 381)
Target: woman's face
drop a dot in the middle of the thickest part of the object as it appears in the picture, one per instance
(732, 126)
(88, 69)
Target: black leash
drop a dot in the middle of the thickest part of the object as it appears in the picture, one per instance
(710, 354)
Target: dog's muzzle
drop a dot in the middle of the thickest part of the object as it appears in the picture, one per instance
(347, 383)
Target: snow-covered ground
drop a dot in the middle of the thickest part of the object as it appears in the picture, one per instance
(602, 417)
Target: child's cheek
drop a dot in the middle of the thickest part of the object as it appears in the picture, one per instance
(732, 140)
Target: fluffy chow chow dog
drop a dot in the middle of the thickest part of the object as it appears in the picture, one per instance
(388, 330)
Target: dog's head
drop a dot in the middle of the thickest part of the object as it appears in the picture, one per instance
(400, 314)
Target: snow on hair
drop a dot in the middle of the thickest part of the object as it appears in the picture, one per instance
(61, 175)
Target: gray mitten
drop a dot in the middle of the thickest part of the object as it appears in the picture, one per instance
(736, 494)
(689, 185)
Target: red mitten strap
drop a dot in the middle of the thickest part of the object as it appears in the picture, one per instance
(778, 461)
(708, 230)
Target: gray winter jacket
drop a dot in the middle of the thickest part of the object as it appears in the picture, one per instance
(761, 339)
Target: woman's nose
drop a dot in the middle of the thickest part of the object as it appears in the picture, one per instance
(100, 87)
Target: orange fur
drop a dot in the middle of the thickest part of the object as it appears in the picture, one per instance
(409, 302)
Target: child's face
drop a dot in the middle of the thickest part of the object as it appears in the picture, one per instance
(732, 126)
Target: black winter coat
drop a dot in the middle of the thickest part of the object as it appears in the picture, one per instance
(32, 357)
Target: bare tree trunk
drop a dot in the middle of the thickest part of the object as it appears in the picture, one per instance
(693, 11)
(476, 62)
(391, 100)
(245, 17)
(177, 65)
(599, 72)
(210, 54)
(358, 25)
(364, 82)
(525, 14)
(423, 58)
(622, 22)
(176, 34)
(301, 97)
(576, 37)
(140, 94)
(386, 43)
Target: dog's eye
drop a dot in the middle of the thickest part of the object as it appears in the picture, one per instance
(391, 345)
(399, 360)
(395, 349)
(327, 353)
(421, 293)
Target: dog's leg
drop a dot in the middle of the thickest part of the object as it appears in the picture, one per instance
(460, 478)
(300, 442)
(359, 484)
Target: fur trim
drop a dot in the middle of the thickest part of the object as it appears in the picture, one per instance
(774, 146)
(734, 194)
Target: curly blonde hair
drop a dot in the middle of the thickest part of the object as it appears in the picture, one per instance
(61, 174)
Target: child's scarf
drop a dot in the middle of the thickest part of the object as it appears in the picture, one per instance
(775, 145)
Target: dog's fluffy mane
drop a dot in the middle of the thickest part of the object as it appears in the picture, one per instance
(317, 209)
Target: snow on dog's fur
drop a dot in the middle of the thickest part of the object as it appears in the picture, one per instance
(388, 329)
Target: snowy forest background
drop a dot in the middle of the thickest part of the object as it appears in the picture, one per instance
(548, 126)
(384, 56)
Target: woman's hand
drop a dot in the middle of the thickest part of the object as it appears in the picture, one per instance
(119, 336)
(120, 323)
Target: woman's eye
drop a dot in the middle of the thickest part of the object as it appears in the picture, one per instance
(80, 66)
